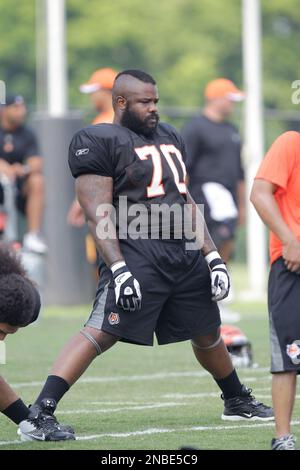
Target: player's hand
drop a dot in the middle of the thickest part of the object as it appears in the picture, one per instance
(19, 170)
(220, 282)
(7, 170)
(127, 288)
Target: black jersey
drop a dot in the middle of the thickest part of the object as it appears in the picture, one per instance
(213, 155)
(18, 145)
(147, 171)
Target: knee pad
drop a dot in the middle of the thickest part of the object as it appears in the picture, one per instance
(92, 340)
(211, 346)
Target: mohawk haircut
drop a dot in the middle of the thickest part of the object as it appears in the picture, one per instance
(139, 74)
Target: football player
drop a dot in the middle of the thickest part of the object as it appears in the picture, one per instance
(152, 283)
(20, 306)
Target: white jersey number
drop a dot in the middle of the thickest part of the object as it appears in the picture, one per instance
(156, 187)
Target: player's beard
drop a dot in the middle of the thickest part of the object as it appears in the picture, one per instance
(133, 122)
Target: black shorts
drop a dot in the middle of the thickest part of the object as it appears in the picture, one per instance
(284, 318)
(20, 198)
(176, 295)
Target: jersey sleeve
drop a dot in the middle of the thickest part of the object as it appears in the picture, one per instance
(32, 148)
(278, 164)
(90, 155)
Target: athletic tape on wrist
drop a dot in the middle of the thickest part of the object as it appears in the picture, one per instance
(212, 256)
(118, 265)
(216, 263)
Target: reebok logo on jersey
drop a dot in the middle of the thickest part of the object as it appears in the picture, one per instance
(82, 152)
(113, 318)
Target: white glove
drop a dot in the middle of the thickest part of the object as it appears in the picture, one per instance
(127, 288)
(220, 282)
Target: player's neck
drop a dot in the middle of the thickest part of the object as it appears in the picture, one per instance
(117, 120)
(213, 114)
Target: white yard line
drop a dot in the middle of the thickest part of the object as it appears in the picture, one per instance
(180, 396)
(254, 369)
(8, 443)
(119, 403)
(123, 408)
(136, 378)
(175, 396)
(151, 431)
(124, 378)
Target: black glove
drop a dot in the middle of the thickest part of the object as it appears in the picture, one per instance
(127, 288)
(220, 282)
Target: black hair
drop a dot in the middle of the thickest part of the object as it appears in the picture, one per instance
(19, 299)
(10, 262)
(139, 74)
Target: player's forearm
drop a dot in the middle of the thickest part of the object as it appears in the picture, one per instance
(268, 210)
(208, 244)
(108, 248)
(34, 164)
(94, 194)
(200, 228)
(3, 164)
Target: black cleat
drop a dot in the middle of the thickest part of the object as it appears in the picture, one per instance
(286, 442)
(245, 407)
(41, 424)
(49, 406)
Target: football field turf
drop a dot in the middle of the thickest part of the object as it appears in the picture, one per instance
(137, 397)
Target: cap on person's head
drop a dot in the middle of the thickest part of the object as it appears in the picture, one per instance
(100, 79)
(13, 99)
(223, 88)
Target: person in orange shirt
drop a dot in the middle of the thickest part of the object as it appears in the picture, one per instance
(99, 88)
(276, 197)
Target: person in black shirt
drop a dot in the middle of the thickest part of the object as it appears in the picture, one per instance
(21, 164)
(216, 175)
(155, 284)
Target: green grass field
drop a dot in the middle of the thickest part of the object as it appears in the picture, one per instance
(137, 397)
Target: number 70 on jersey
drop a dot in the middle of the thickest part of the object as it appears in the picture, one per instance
(170, 152)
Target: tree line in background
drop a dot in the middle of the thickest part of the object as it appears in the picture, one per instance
(183, 43)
